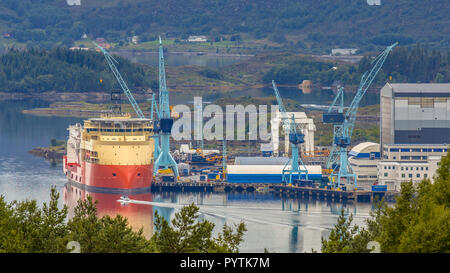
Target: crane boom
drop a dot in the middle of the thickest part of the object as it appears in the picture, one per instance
(122, 83)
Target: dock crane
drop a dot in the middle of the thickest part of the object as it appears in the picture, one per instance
(295, 138)
(110, 59)
(164, 159)
(345, 122)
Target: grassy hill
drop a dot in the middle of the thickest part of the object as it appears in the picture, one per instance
(310, 25)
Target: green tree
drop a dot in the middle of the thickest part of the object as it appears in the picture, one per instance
(188, 235)
(418, 222)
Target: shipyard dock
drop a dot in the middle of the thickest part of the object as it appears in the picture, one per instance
(276, 189)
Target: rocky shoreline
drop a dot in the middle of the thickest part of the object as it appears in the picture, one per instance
(49, 154)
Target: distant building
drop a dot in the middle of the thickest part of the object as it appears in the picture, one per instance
(343, 51)
(197, 38)
(306, 86)
(73, 2)
(100, 40)
(364, 159)
(6, 35)
(84, 36)
(374, 2)
(135, 39)
(78, 48)
(415, 113)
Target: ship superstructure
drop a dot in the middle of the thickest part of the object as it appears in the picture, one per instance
(112, 153)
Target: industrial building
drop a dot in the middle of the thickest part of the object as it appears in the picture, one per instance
(364, 159)
(300, 118)
(415, 113)
(265, 173)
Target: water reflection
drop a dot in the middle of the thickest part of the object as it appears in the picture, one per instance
(139, 216)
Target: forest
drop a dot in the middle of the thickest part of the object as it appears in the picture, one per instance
(64, 70)
(67, 70)
(307, 24)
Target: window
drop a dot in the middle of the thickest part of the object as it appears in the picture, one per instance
(406, 168)
(416, 150)
(421, 168)
(417, 168)
(426, 150)
(418, 175)
(437, 150)
(424, 157)
(393, 167)
(405, 150)
(425, 175)
(410, 175)
(394, 158)
(114, 174)
(426, 168)
(404, 157)
(403, 175)
(385, 167)
(415, 157)
(385, 174)
(401, 168)
(394, 150)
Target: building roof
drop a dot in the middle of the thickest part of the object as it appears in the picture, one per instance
(257, 160)
(264, 169)
(362, 146)
(420, 87)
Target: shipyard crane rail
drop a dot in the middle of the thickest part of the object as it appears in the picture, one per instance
(295, 138)
(110, 59)
(345, 123)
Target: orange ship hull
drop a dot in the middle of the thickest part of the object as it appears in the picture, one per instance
(110, 178)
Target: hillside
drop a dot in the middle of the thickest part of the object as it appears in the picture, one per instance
(310, 25)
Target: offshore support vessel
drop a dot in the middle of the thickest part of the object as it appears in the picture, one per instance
(111, 154)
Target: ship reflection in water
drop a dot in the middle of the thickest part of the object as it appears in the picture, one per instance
(139, 216)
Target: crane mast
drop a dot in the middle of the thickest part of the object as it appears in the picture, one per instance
(110, 59)
(164, 158)
(344, 124)
(295, 138)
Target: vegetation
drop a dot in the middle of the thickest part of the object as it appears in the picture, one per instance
(307, 24)
(416, 64)
(25, 227)
(418, 222)
(66, 70)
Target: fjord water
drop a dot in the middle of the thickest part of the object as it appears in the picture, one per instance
(277, 224)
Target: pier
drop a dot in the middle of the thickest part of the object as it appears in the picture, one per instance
(277, 189)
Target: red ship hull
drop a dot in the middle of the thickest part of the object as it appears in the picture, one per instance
(110, 178)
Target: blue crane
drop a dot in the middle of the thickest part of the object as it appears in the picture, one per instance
(295, 138)
(344, 124)
(110, 59)
(164, 158)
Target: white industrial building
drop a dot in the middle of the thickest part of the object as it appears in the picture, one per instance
(308, 130)
(364, 159)
(409, 162)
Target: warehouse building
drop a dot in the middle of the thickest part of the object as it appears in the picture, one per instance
(415, 113)
(265, 173)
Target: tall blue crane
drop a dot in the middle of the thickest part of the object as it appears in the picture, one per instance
(110, 59)
(345, 123)
(295, 138)
(164, 159)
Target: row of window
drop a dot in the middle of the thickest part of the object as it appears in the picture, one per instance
(410, 175)
(417, 150)
(406, 168)
(118, 130)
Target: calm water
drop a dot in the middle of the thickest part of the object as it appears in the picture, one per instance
(280, 225)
